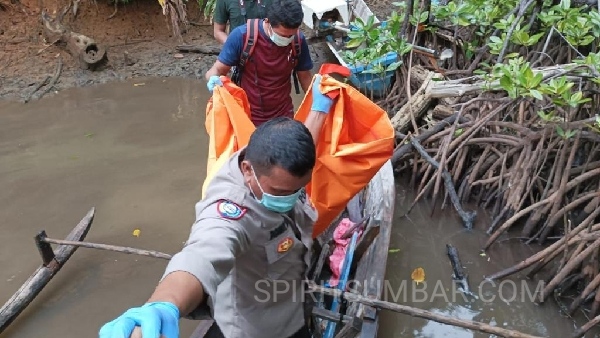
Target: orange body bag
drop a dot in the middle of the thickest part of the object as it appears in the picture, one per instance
(356, 139)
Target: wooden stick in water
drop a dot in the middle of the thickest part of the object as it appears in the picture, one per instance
(53, 261)
(122, 249)
(415, 312)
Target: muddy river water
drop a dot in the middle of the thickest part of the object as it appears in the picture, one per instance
(136, 151)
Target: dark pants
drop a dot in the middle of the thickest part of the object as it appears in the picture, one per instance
(215, 332)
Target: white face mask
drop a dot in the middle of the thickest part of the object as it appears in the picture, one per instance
(280, 40)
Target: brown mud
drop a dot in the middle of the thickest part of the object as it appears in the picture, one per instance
(139, 42)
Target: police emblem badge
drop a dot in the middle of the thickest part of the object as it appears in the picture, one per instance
(230, 210)
(285, 245)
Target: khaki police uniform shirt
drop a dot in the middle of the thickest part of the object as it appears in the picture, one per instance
(248, 259)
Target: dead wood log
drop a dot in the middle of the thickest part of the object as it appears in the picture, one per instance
(459, 275)
(415, 312)
(87, 53)
(209, 50)
(53, 262)
(476, 84)
(419, 102)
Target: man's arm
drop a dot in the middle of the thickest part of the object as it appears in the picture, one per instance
(314, 122)
(219, 68)
(220, 17)
(321, 105)
(305, 77)
(180, 288)
(219, 32)
(229, 55)
(207, 258)
(305, 65)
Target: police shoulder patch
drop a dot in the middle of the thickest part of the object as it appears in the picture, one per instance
(230, 210)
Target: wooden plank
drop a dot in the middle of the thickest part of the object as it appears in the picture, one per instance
(351, 329)
(370, 323)
(325, 251)
(381, 202)
(38, 280)
(364, 244)
(330, 315)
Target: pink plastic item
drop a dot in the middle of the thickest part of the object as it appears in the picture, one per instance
(336, 260)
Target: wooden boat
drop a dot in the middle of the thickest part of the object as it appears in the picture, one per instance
(333, 318)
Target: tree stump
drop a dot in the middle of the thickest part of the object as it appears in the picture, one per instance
(87, 52)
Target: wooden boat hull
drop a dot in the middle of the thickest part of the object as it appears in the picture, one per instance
(377, 201)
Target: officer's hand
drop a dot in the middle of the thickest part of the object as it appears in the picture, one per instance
(213, 81)
(321, 103)
(154, 319)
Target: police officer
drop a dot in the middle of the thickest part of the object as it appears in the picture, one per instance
(248, 250)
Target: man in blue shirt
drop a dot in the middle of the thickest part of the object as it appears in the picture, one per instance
(266, 75)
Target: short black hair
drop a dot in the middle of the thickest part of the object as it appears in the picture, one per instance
(282, 142)
(287, 13)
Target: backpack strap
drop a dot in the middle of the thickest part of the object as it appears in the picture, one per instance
(296, 49)
(250, 43)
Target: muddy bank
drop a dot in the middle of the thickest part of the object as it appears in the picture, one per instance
(138, 40)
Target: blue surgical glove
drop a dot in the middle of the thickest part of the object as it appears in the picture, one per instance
(154, 319)
(321, 103)
(213, 81)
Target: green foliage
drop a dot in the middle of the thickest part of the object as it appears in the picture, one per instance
(209, 9)
(378, 41)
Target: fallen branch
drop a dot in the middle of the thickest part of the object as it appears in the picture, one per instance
(415, 312)
(52, 83)
(115, 248)
(476, 84)
(466, 216)
(209, 50)
(418, 103)
(53, 262)
(40, 85)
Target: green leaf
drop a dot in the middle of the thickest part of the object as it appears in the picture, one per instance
(537, 79)
(576, 97)
(354, 43)
(560, 131)
(371, 21)
(393, 250)
(393, 66)
(536, 94)
(506, 83)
